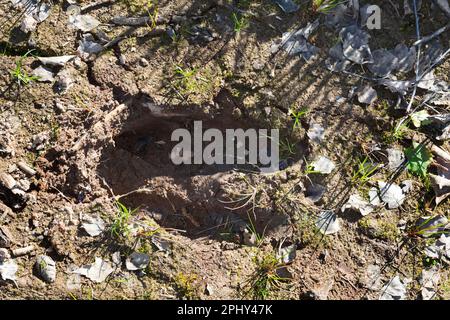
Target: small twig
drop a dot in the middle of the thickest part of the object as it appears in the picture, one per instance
(432, 36)
(141, 190)
(129, 32)
(61, 194)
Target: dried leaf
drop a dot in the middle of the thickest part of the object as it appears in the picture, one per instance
(93, 226)
(316, 133)
(430, 282)
(391, 194)
(358, 203)
(395, 289)
(8, 270)
(355, 44)
(97, 272)
(384, 63)
(367, 95)
(56, 61)
(44, 74)
(395, 158)
(287, 255)
(327, 222)
(323, 165)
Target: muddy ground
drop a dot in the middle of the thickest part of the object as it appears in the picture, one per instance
(106, 139)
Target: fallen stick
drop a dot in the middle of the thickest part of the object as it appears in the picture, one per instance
(440, 153)
(26, 168)
(23, 251)
(432, 36)
(129, 33)
(138, 21)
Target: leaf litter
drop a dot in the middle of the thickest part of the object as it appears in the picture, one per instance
(96, 272)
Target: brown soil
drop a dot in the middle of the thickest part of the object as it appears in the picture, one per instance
(111, 140)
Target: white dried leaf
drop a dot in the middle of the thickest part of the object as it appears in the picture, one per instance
(440, 249)
(397, 86)
(373, 277)
(161, 244)
(97, 272)
(395, 289)
(430, 281)
(46, 268)
(355, 44)
(356, 202)
(8, 270)
(93, 226)
(327, 222)
(323, 165)
(84, 22)
(407, 186)
(296, 42)
(29, 24)
(367, 95)
(44, 74)
(88, 46)
(405, 57)
(316, 133)
(56, 61)
(384, 63)
(391, 194)
(287, 254)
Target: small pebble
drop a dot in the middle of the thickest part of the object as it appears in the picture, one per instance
(46, 268)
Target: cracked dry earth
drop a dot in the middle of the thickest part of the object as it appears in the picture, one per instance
(91, 206)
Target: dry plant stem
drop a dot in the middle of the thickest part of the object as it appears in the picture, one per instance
(432, 36)
(141, 190)
(441, 153)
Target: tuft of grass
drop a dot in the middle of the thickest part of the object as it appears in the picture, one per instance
(365, 170)
(19, 74)
(120, 227)
(240, 22)
(153, 12)
(287, 148)
(309, 168)
(326, 6)
(297, 115)
(398, 132)
(430, 231)
(265, 279)
(186, 78)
